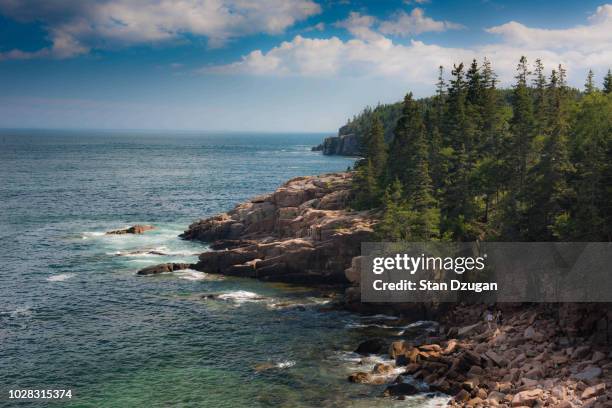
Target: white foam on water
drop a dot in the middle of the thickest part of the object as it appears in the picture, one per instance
(380, 317)
(241, 296)
(92, 234)
(60, 278)
(24, 311)
(285, 364)
(368, 325)
(193, 275)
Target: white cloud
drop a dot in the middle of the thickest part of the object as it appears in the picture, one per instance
(75, 28)
(404, 24)
(416, 1)
(360, 26)
(370, 53)
(331, 56)
(595, 36)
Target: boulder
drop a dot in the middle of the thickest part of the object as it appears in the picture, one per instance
(382, 368)
(593, 391)
(588, 374)
(366, 378)
(400, 389)
(498, 360)
(496, 396)
(371, 346)
(468, 330)
(134, 229)
(581, 352)
(526, 398)
(163, 268)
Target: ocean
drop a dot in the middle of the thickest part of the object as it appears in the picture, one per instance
(73, 314)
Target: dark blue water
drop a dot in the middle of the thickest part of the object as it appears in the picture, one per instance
(73, 314)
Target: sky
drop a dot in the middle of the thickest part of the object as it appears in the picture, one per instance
(267, 65)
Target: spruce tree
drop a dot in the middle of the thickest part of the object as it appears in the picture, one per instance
(589, 86)
(457, 206)
(376, 148)
(434, 124)
(400, 147)
(549, 193)
(591, 152)
(489, 173)
(607, 83)
(540, 100)
(393, 225)
(365, 187)
(517, 152)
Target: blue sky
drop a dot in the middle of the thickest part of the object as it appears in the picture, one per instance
(266, 65)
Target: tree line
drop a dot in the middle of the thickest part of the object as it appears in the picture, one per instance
(474, 162)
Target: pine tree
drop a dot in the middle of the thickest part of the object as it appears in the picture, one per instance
(540, 100)
(474, 107)
(393, 225)
(607, 83)
(517, 151)
(549, 193)
(365, 187)
(589, 86)
(434, 124)
(376, 148)
(489, 172)
(400, 147)
(591, 213)
(457, 206)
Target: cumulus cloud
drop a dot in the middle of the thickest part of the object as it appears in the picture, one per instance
(371, 53)
(360, 26)
(331, 56)
(404, 24)
(595, 36)
(76, 27)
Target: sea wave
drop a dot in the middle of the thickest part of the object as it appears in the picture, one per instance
(241, 296)
(285, 364)
(156, 251)
(60, 277)
(19, 312)
(193, 275)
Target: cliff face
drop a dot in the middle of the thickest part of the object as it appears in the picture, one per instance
(300, 233)
(343, 145)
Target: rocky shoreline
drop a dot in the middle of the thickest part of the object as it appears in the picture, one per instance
(538, 356)
(304, 232)
(301, 233)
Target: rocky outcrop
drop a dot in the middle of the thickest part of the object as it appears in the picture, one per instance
(134, 229)
(343, 145)
(534, 356)
(301, 233)
(163, 268)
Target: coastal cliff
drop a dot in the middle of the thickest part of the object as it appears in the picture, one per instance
(341, 145)
(301, 233)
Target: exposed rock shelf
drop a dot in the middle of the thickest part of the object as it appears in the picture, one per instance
(301, 233)
(134, 229)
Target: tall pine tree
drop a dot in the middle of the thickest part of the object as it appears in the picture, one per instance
(457, 208)
(517, 151)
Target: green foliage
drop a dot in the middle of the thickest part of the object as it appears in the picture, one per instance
(366, 187)
(376, 149)
(607, 83)
(476, 162)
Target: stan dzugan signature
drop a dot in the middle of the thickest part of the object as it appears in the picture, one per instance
(427, 285)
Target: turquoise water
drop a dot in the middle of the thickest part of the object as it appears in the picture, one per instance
(73, 314)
